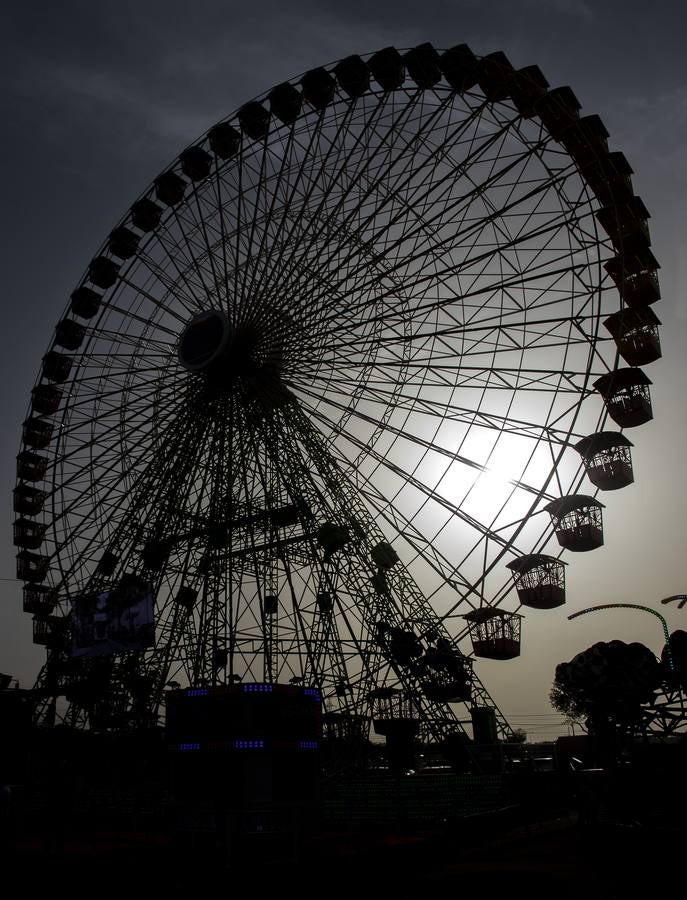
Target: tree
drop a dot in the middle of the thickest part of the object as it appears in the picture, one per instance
(565, 703)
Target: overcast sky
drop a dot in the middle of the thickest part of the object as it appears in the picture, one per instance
(98, 98)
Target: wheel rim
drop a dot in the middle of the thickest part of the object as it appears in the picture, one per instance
(412, 284)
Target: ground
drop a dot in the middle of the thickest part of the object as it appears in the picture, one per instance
(561, 857)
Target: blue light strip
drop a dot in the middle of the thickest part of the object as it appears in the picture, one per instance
(247, 744)
(257, 688)
(196, 692)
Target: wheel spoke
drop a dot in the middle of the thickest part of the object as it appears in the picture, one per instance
(353, 357)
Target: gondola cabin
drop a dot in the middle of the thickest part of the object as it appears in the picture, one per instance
(627, 396)
(384, 556)
(37, 432)
(446, 673)
(635, 332)
(56, 366)
(539, 580)
(636, 277)
(353, 76)
(607, 459)
(332, 538)
(69, 334)
(394, 714)
(28, 534)
(626, 225)
(28, 501)
(31, 466)
(50, 631)
(610, 177)
(39, 600)
(577, 521)
(401, 645)
(495, 633)
(45, 399)
(32, 566)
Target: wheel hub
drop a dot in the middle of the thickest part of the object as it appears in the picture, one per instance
(211, 345)
(226, 355)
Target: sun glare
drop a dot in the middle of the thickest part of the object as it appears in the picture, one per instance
(482, 488)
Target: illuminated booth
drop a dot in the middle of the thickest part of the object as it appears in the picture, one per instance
(248, 753)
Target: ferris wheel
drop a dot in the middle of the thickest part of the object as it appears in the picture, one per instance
(335, 383)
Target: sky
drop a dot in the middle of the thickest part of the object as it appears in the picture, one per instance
(98, 98)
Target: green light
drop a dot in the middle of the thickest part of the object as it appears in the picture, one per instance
(669, 653)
